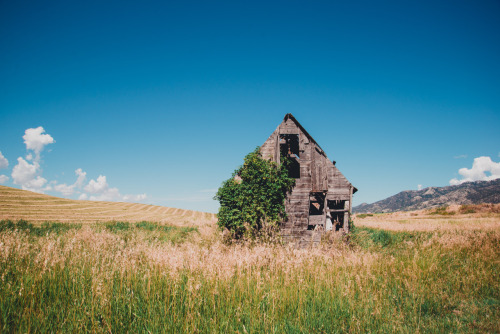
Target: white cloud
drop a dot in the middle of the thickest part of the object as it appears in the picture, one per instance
(101, 191)
(68, 190)
(4, 163)
(81, 177)
(97, 187)
(110, 194)
(25, 175)
(419, 187)
(481, 167)
(134, 198)
(462, 156)
(36, 140)
(64, 189)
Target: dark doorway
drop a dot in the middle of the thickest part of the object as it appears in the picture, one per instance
(338, 220)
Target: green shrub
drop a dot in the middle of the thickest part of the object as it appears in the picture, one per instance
(7, 225)
(118, 226)
(374, 238)
(443, 211)
(465, 209)
(147, 225)
(382, 238)
(43, 229)
(254, 196)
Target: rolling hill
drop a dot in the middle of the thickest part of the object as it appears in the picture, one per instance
(465, 193)
(22, 204)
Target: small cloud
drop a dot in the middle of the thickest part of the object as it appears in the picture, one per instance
(4, 163)
(419, 187)
(64, 189)
(3, 179)
(101, 191)
(462, 156)
(68, 190)
(81, 177)
(134, 198)
(83, 196)
(483, 169)
(26, 175)
(109, 194)
(97, 187)
(36, 140)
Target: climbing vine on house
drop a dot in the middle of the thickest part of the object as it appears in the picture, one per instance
(254, 196)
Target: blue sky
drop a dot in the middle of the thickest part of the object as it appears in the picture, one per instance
(166, 98)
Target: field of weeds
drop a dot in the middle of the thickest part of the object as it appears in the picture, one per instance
(148, 277)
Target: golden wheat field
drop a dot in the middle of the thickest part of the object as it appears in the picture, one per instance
(18, 204)
(483, 217)
(82, 266)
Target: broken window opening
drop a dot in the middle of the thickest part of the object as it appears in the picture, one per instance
(315, 227)
(336, 204)
(316, 204)
(289, 148)
(289, 145)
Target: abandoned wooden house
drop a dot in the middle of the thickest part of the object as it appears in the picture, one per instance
(321, 199)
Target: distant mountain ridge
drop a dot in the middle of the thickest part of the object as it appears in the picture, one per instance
(465, 193)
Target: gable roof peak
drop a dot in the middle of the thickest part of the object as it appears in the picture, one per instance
(290, 116)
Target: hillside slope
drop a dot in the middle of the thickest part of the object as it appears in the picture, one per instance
(21, 204)
(465, 193)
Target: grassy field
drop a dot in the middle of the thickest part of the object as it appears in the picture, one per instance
(408, 272)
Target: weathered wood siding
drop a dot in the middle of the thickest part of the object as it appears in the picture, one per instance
(270, 149)
(317, 174)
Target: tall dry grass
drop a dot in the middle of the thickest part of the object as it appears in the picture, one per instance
(140, 278)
